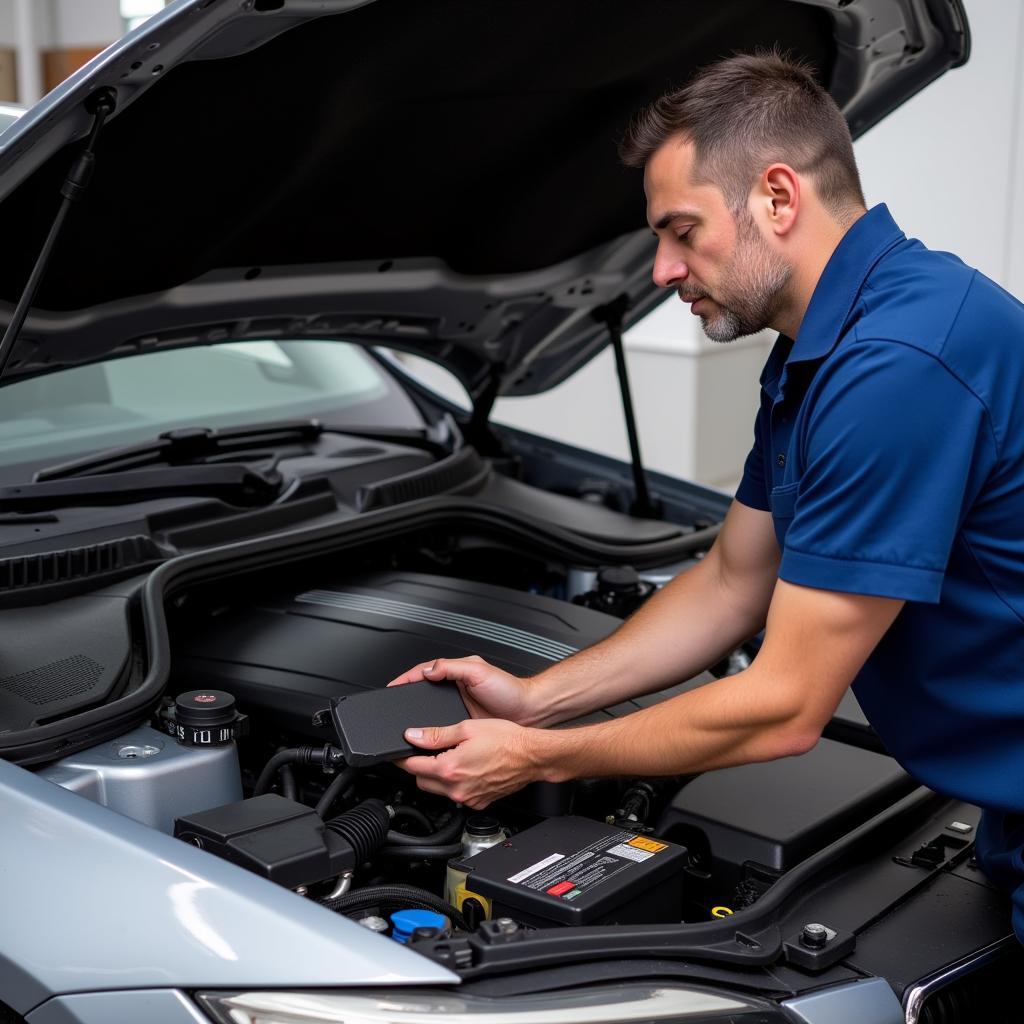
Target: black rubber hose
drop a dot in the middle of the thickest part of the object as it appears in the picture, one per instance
(422, 852)
(288, 786)
(270, 769)
(442, 837)
(363, 828)
(326, 756)
(387, 898)
(404, 811)
(341, 782)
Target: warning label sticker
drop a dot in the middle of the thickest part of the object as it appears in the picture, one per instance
(567, 877)
(630, 853)
(650, 845)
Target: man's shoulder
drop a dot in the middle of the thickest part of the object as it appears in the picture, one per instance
(933, 301)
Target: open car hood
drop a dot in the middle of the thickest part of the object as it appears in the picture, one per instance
(438, 177)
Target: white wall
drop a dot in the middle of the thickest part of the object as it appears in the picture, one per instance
(7, 29)
(31, 26)
(949, 164)
(40, 25)
(68, 23)
(1014, 241)
(949, 161)
(86, 22)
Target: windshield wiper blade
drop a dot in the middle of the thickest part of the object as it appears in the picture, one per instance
(184, 445)
(235, 483)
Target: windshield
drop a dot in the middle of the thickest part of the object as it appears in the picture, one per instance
(130, 400)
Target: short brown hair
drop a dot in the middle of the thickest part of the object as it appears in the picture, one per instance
(746, 112)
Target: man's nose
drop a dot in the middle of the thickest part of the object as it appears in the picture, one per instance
(669, 271)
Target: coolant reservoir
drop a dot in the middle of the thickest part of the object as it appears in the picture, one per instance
(149, 777)
(480, 833)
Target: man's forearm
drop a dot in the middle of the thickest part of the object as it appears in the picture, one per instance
(815, 643)
(691, 623)
(728, 722)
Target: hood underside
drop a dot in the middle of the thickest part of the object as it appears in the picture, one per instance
(440, 177)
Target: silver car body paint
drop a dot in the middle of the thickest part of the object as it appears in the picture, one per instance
(150, 777)
(863, 1002)
(153, 1006)
(93, 901)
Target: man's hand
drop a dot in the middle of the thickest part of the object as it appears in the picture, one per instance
(488, 691)
(488, 759)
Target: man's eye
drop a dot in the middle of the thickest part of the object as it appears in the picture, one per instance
(684, 235)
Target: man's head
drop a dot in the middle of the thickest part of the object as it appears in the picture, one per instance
(750, 180)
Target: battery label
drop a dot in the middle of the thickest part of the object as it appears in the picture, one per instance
(630, 853)
(568, 877)
(521, 876)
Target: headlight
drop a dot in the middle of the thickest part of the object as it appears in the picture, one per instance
(622, 1004)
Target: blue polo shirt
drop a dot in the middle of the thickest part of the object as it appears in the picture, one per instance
(889, 448)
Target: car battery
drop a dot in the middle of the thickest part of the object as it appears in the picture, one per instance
(575, 871)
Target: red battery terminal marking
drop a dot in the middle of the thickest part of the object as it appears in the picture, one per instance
(561, 888)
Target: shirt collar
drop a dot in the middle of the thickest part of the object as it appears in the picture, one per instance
(864, 244)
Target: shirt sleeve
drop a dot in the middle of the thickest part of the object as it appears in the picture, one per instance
(752, 490)
(894, 450)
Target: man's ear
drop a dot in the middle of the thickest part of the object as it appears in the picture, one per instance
(777, 194)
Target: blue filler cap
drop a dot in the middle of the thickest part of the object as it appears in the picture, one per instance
(405, 922)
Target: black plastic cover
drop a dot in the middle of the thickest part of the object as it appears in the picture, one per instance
(775, 815)
(271, 836)
(370, 725)
(292, 654)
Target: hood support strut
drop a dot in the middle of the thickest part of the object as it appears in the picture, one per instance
(101, 105)
(478, 431)
(611, 316)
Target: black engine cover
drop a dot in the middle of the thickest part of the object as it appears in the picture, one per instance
(290, 655)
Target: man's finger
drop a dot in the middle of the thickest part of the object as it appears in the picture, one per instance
(414, 675)
(470, 670)
(421, 766)
(436, 737)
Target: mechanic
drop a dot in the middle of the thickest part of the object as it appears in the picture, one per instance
(877, 535)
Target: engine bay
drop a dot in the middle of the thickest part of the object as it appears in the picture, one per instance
(253, 772)
(250, 757)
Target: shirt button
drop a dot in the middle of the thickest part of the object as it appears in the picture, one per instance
(780, 460)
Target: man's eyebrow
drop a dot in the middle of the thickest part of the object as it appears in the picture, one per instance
(666, 219)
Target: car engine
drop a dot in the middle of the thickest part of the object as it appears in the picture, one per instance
(244, 761)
